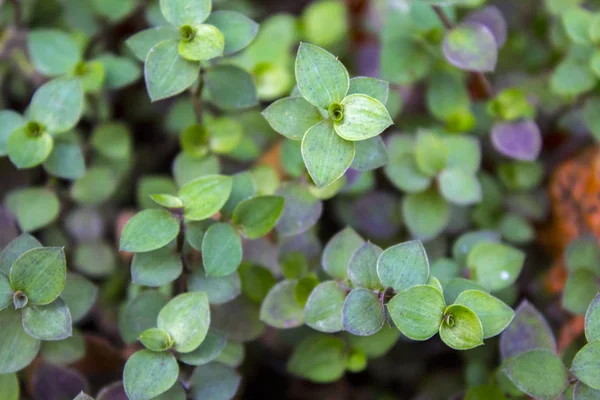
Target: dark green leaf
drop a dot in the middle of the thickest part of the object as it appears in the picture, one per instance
(257, 216)
(221, 250)
(319, 358)
(214, 381)
(237, 29)
(539, 373)
(156, 268)
(14, 337)
(149, 230)
(230, 87)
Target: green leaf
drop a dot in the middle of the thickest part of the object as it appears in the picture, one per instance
(463, 152)
(225, 134)
(319, 358)
(167, 201)
(149, 230)
(119, 71)
(237, 29)
(155, 339)
(243, 187)
(369, 154)
(583, 254)
(576, 21)
(372, 87)
(29, 146)
(79, 294)
(112, 140)
(10, 121)
(139, 314)
(301, 209)
(141, 43)
(405, 175)
(461, 329)
(167, 72)
(58, 104)
(186, 319)
(256, 217)
(339, 251)
(280, 308)
(44, 45)
(580, 289)
(83, 396)
(211, 348)
(219, 289)
(33, 207)
(447, 95)
(9, 387)
(584, 392)
(221, 250)
(214, 381)
(323, 310)
(495, 265)
(417, 311)
(539, 373)
(206, 43)
(362, 314)
(431, 153)
(325, 23)
(362, 267)
(148, 374)
(49, 322)
(187, 169)
(156, 268)
(40, 274)
(64, 352)
(14, 249)
(152, 184)
(322, 78)
(237, 319)
(114, 10)
(592, 320)
(403, 265)
(66, 161)
(463, 245)
(205, 196)
(95, 187)
(494, 315)
(91, 75)
(571, 78)
(6, 292)
(230, 87)
(96, 259)
(185, 12)
(326, 155)
(460, 187)
(292, 116)
(472, 47)
(585, 364)
(363, 118)
(13, 338)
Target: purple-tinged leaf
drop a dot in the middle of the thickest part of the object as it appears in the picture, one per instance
(352, 176)
(471, 46)
(377, 215)
(528, 330)
(518, 140)
(491, 18)
(114, 391)
(51, 382)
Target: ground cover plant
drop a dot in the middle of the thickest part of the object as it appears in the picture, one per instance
(385, 199)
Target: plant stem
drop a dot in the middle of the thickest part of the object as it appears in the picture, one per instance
(479, 76)
(18, 14)
(197, 100)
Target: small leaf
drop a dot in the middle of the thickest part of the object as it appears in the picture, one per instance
(362, 313)
(40, 274)
(426, 214)
(585, 365)
(571, 78)
(49, 322)
(464, 152)
(528, 331)
(64, 352)
(363, 118)
(167, 201)
(205, 196)
(221, 250)
(141, 43)
(14, 249)
(66, 161)
(238, 320)
(292, 116)
(362, 267)
(465, 242)
(186, 319)
(83, 396)
(301, 210)
(521, 140)
(244, 186)
(325, 23)
(139, 314)
(156, 268)
(210, 349)
(280, 308)
(167, 73)
(149, 230)
(257, 216)
(319, 358)
(461, 329)
(322, 78)
(323, 310)
(592, 320)
(34, 208)
(403, 266)
(79, 294)
(339, 251)
(95, 259)
(584, 392)
(431, 153)
(10, 121)
(369, 154)
(206, 43)
(471, 46)
(460, 187)
(405, 175)
(95, 187)
(9, 387)
(185, 12)
(219, 289)
(495, 266)
(112, 140)
(372, 87)
(14, 337)
(58, 104)
(155, 339)
(214, 381)
(28, 147)
(580, 289)
(417, 311)
(230, 87)
(148, 374)
(491, 17)
(583, 253)
(539, 373)
(494, 315)
(576, 21)
(6, 292)
(237, 29)
(326, 155)
(44, 44)
(119, 71)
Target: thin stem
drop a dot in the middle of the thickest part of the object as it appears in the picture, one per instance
(479, 76)
(18, 14)
(197, 100)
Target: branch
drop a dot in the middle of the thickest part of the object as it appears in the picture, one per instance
(479, 76)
